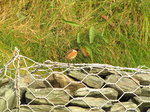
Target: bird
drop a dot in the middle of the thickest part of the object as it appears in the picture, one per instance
(71, 54)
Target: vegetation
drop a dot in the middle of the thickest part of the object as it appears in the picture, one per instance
(113, 32)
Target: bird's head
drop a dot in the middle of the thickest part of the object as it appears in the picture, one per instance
(77, 49)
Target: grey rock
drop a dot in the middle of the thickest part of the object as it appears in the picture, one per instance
(93, 81)
(112, 79)
(47, 96)
(98, 70)
(143, 78)
(145, 91)
(133, 110)
(122, 84)
(48, 108)
(148, 110)
(80, 109)
(73, 86)
(7, 83)
(88, 92)
(90, 101)
(4, 81)
(117, 107)
(138, 91)
(7, 97)
(37, 84)
(142, 99)
(102, 71)
(77, 75)
(41, 108)
(60, 109)
(63, 81)
(90, 80)
(106, 72)
(125, 84)
(36, 108)
(28, 81)
(110, 93)
(59, 80)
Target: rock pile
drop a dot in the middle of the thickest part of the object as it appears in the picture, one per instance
(86, 90)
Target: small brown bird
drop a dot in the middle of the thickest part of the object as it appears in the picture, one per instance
(71, 54)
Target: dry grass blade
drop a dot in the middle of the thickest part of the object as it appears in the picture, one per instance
(71, 23)
(85, 51)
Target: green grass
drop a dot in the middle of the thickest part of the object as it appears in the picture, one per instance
(46, 29)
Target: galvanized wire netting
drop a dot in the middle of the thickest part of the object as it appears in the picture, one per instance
(30, 86)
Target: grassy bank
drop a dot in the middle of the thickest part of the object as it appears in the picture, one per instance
(46, 29)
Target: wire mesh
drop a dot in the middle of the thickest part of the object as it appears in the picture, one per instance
(30, 86)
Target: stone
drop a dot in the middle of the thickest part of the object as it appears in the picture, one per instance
(148, 110)
(107, 72)
(112, 79)
(142, 99)
(73, 86)
(143, 78)
(28, 81)
(80, 109)
(101, 71)
(77, 75)
(63, 81)
(60, 109)
(90, 80)
(87, 92)
(90, 101)
(138, 91)
(8, 99)
(110, 93)
(37, 84)
(93, 81)
(36, 108)
(122, 84)
(59, 80)
(132, 110)
(47, 96)
(4, 82)
(48, 108)
(145, 91)
(96, 70)
(125, 84)
(117, 107)
(41, 108)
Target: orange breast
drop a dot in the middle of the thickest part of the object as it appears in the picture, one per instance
(71, 55)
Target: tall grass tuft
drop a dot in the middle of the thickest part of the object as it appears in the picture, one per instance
(46, 29)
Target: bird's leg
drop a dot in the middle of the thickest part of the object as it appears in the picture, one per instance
(73, 63)
(68, 64)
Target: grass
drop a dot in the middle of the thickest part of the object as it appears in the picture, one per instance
(46, 29)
